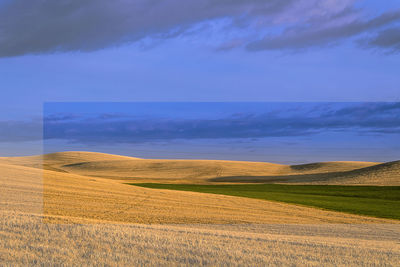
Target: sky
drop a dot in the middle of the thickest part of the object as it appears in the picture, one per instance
(190, 51)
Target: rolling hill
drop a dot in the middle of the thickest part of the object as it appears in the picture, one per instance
(129, 169)
(73, 219)
(67, 197)
(384, 174)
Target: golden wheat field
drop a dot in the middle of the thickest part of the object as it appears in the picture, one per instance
(76, 210)
(26, 240)
(128, 169)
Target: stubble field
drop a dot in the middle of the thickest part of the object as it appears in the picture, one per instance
(55, 217)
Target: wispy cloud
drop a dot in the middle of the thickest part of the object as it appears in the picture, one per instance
(388, 39)
(317, 34)
(46, 26)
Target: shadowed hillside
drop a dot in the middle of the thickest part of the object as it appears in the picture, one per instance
(334, 166)
(377, 174)
(381, 174)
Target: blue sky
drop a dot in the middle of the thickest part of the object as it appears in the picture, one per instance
(203, 50)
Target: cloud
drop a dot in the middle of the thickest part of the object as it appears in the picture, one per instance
(46, 26)
(369, 110)
(363, 118)
(20, 131)
(61, 117)
(314, 35)
(388, 40)
(40, 26)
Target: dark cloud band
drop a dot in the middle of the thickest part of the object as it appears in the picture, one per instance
(374, 118)
(45, 26)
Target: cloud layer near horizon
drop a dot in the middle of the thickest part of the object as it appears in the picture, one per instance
(112, 126)
(45, 26)
(101, 128)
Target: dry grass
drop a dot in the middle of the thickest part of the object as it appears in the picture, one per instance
(51, 217)
(127, 169)
(384, 174)
(76, 196)
(27, 241)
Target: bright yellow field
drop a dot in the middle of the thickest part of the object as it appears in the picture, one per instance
(109, 222)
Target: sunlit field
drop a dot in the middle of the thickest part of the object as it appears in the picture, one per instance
(26, 240)
(377, 201)
(52, 216)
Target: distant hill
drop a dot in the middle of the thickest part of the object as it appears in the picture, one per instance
(334, 173)
(333, 166)
(381, 174)
(129, 169)
(61, 197)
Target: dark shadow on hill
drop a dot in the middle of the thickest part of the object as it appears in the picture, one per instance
(280, 178)
(384, 169)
